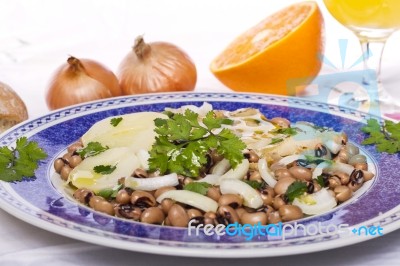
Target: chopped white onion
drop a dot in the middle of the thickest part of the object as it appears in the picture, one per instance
(238, 173)
(291, 158)
(143, 157)
(251, 198)
(265, 174)
(317, 203)
(210, 179)
(201, 111)
(342, 167)
(305, 127)
(221, 167)
(152, 183)
(332, 146)
(190, 198)
(320, 168)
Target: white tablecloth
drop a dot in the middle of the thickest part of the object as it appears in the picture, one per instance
(37, 36)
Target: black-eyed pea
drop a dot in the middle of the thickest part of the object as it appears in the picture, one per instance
(75, 161)
(232, 200)
(333, 182)
(74, 147)
(354, 186)
(227, 215)
(240, 211)
(94, 200)
(254, 218)
(252, 156)
(274, 217)
(143, 199)
(167, 222)
(282, 185)
(65, 171)
(342, 193)
(210, 218)
(267, 195)
(214, 193)
(58, 165)
(128, 211)
(278, 202)
(140, 173)
(83, 195)
(367, 175)
(317, 186)
(194, 213)
(290, 213)
(123, 197)
(104, 206)
(301, 173)
(67, 157)
(344, 178)
(177, 216)
(280, 122)
(255, 176)
(281, 173)
(152, 215)
(361, 166)
(166, 205)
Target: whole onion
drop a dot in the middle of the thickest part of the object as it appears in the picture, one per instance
(81, 80)
(156, 67)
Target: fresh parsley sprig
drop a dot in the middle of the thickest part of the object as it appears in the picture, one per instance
(184, 141)
(198, 187)
(108, 193)
(115, 121)
(21, 161)
(104, 169)
(386, 137)
(295, 190)
(91, 149)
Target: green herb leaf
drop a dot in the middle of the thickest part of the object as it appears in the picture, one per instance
(183, 143)
(108, 193)
(316, 160)
(198, 187)
(296, 189)
(254, 184)
(276, 140)
(115, 121)
(230, 146)
(92, 149)
(212, 122)
(104, 169)
(21, 161)
(386, 137)
(321, 181)
(290, 131)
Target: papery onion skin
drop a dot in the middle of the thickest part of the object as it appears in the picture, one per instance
(81, 80)
(156, 67)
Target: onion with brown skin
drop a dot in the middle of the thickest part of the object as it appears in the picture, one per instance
(156, 67)
(81, 80)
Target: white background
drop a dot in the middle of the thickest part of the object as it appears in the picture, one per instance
(38, 36)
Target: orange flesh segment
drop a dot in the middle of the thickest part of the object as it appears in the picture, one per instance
(264, 34)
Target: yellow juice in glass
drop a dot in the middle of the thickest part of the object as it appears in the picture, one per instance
(366, 14)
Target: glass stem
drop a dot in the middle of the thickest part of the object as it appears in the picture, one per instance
(372, 54)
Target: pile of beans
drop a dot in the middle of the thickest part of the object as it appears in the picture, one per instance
(142, 205)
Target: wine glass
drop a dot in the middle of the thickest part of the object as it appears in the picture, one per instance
(373, 21)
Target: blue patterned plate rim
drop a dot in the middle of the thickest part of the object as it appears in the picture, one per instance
(39, 203)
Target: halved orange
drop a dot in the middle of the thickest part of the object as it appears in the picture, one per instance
(281, 50)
